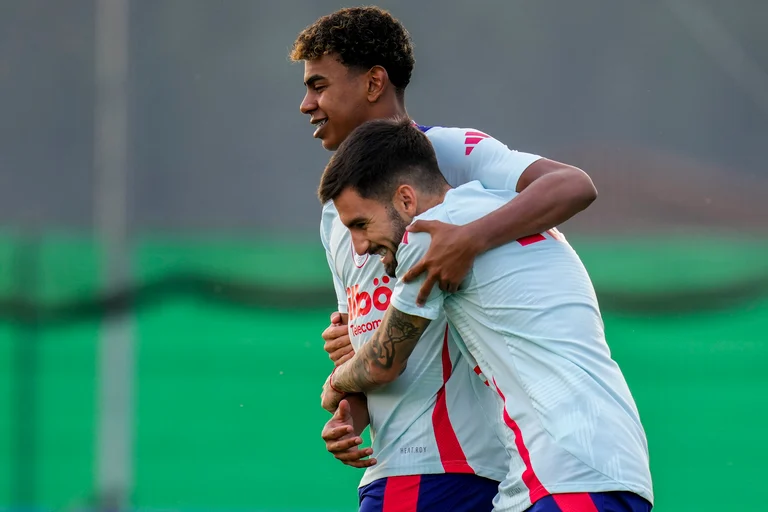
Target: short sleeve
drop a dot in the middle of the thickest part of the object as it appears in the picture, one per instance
(326, 225)
(466, 155)
(341, 293)
(413, 247)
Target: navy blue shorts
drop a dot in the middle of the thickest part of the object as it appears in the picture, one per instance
(592, 502)
(452, 492)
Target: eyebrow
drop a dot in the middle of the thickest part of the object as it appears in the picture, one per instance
(356, 220)
(314, 78)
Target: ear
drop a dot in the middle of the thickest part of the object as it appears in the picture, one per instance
(406, 200)
(378, 81)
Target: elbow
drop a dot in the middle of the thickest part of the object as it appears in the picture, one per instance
(584, 190)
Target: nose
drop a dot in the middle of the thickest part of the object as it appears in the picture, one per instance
(360, 243)
(308, 104)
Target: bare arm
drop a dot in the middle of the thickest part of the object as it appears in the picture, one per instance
(378, 362)
(336, 336)
(342, 433)
(550, 193)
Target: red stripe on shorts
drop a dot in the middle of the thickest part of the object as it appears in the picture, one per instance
(401, 494)
(576, 502)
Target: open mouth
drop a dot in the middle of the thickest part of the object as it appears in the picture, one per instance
(319, 125)
(381, 252)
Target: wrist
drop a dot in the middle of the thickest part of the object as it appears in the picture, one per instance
(330, 382)
(473, 237)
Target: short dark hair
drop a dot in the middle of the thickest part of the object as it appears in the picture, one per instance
(362, 37)
(379, 156)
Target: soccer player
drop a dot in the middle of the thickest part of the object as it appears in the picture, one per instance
(527, 313)
(430, 435)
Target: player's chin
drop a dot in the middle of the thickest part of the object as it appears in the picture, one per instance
(330, 142)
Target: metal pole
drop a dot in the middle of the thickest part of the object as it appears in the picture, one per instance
(114, 441)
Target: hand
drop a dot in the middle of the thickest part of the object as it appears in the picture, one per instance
(448, 259)
(330, 398)
(337, 342)
(341, 441)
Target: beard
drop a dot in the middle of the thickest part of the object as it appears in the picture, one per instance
(398, 231)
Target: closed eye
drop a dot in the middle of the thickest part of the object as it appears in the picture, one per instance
(357, 223)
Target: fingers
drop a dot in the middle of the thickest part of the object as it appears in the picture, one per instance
(341, 442)
(415, 271)
(342, 355)
(337, 447)
(331, 434)
(335, 331)
(337, 340)
(343, 359)
(339, 348)
(354, 457)
(336, 318)
(346, 451)
(343, 412)
(362, 464)
(449, 286)
(337, 343)
(426, 289)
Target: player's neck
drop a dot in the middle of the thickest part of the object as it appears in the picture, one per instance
(394, 108)
(427, 202)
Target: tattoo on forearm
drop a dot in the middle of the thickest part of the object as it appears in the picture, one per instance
(391, 345)
(384, 345)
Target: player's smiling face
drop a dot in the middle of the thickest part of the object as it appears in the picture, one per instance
(376, 228)
(336, 99)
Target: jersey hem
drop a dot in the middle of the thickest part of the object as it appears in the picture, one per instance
(431, 469)
(641, 491)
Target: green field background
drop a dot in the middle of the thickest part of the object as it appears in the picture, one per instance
(227, 414)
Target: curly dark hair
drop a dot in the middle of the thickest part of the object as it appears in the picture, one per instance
(362, 37)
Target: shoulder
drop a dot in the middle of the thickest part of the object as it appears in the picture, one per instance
(465, 139)
(327, 217)
(466, 147)
(329, 222)
(470, 201)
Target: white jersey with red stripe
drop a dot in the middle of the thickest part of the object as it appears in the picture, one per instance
(438, 417)
(528, 314)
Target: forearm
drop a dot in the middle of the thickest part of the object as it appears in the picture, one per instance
(544, 204)
(358, 375)
(384, 358)
(358, 406)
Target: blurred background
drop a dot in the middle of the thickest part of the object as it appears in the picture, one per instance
(163, 287)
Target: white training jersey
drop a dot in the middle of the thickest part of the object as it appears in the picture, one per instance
(528, 314)
(437, 417)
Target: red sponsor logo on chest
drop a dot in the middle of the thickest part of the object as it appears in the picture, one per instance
(360, 303)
